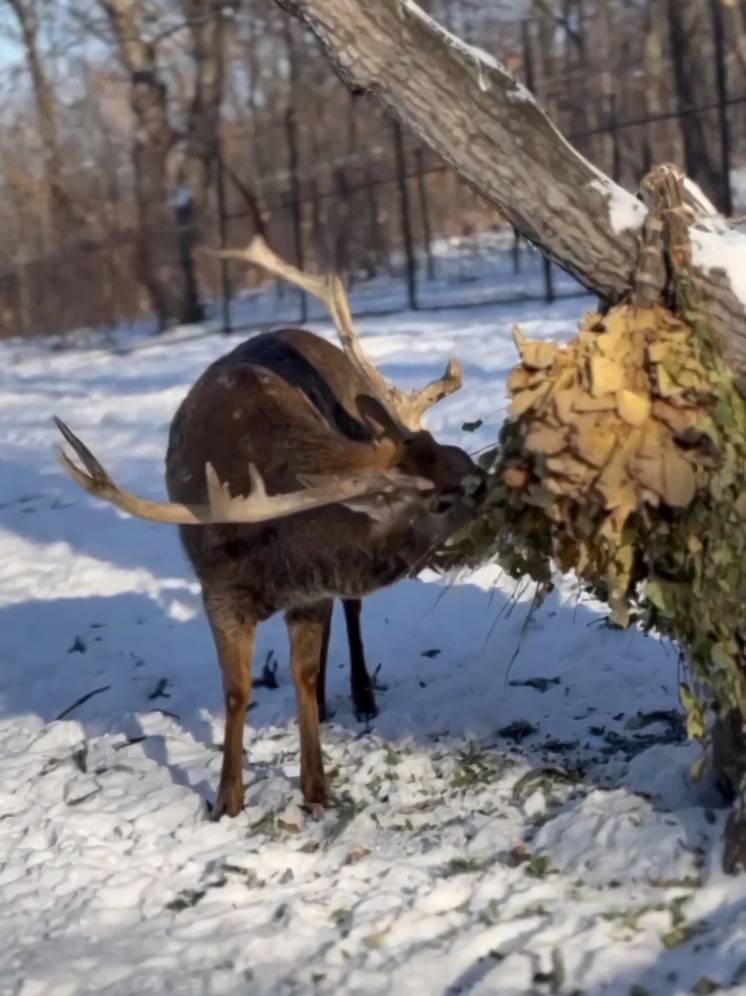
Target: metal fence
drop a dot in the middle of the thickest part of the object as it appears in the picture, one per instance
(404, 231)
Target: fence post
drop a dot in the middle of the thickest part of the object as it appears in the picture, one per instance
(295, 204)
(425, 212)
(614, 135)
(225, 280)
(186, 227)
(528, 72)
(291, 134)
(516, 251)
(721, 82)
(405, 215)
(381, 256)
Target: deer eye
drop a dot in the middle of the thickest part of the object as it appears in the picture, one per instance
(442, 505)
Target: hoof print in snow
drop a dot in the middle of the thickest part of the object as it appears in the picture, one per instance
(518, 731)
(185, 900)
(269, 674)
(77, 646)
(161, 690)
(538, 684)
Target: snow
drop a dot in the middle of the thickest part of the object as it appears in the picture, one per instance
(482, 60)
(626, 213)
(738, 188)
(699, 198)
(716, 246)
(500, 828)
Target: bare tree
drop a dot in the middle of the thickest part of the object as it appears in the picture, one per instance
(60, 208)
(213, 80)
(503, 144)
(166, 269)
(206, 26)
(689, 32)
(736, 18)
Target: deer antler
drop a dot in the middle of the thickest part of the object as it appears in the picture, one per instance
(223, 507)
(407, 409)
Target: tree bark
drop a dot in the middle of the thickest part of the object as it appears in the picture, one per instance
(485, 125)
(206, 23)
(164, 241)
(736, 19)
(660, 134)
(489, 129)
(60, 209)
(691, 49)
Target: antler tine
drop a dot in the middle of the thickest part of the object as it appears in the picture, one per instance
(330, 291)
(259, 253)
(407, 409)
(342, 318)
(449, 383)
(221, 506)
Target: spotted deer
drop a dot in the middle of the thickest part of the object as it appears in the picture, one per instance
(298, 474)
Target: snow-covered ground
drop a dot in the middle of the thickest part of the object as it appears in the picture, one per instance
(519, 818)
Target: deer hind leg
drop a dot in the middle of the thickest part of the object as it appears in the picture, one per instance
(321, 678)
(306, 629)
(234, 632)
(361, 685)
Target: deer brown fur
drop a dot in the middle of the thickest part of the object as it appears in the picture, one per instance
(283, 414)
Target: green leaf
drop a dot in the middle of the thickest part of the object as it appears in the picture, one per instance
(654, 592)
(539, 865)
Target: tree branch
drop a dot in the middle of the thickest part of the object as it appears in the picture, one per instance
(486, 125)
(488, 128)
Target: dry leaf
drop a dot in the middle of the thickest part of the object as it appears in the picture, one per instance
(666, 385)
(633, 408)
(545, 440)
(525, 400)
(679, 420)
(648, 472)
(594, 444)
(587, 404)
(679, 479)
(563, 404)
(515, 477)
(607, 376)
(568, 466)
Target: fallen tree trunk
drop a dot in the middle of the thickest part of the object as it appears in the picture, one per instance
(487, 126)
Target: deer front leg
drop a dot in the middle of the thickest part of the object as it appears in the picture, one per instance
(306, 628)
(234, 635)
(321, 677)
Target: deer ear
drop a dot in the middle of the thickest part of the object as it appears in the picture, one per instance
(378, 419)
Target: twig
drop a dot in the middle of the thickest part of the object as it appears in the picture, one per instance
(535, 602)
(81, 700)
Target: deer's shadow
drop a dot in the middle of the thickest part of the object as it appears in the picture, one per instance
(458, 661)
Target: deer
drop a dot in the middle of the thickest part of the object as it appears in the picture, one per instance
(298, 474)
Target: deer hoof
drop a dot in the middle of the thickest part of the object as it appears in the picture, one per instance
(365, 705)
(315, 796)
(229, 802)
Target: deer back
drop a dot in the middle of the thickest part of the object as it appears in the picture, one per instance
(283, 401)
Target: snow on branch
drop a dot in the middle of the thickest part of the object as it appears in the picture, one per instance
(468, 107)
